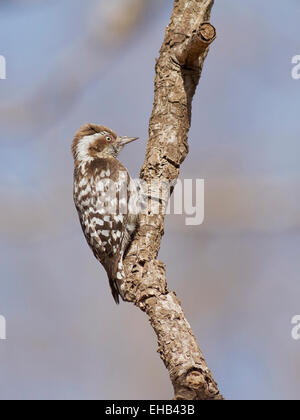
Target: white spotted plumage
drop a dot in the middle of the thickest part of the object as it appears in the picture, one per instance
(103, 196)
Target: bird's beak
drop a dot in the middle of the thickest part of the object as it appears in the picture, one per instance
(125, 140)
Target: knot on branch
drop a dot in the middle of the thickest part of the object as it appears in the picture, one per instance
(197, 384)
(145, 280)
(189, 52)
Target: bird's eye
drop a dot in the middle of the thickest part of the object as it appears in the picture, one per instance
(108, 138)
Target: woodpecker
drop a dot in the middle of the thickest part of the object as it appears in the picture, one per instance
(106, 198)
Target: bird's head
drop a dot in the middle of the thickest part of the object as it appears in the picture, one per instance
(96, 141)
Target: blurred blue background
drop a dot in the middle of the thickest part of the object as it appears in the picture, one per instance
(73, 61)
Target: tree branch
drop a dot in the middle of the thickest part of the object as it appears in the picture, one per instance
(178, 70)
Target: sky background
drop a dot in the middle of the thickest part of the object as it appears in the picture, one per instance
(237, 275)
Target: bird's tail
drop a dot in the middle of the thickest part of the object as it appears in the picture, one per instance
(114, 289)
(116, 275)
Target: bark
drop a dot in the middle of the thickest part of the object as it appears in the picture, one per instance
(178, 70)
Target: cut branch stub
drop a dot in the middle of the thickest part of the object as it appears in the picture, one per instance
(189, 52)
